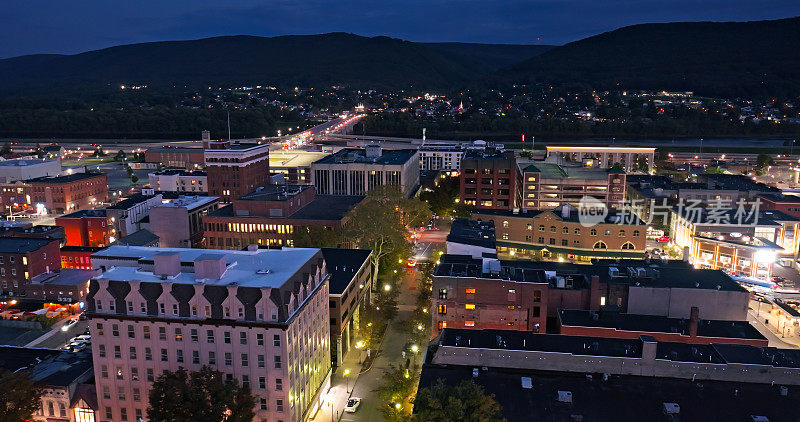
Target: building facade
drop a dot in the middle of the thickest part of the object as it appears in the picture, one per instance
(547, 185)
(488, 179)
(356, 171)
(25, 169)
(263, 321)
(179, 223)
(179, 180)
(125, 216)
(270, 216)
(560, 235)
(188, 158)
(22, 259)
(234, 169)
(68, 193)
(87, 228)
(604, 157)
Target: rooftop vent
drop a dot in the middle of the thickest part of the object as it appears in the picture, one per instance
(565, 397)
(671, 409)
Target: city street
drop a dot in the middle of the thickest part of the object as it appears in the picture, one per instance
(56, 338)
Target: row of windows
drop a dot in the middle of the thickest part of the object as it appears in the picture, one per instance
(123, 412)
(112, 306)
(577, 230)
(194, 336)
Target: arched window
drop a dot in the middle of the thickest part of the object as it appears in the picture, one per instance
(600, 245)
(628, 246)
(552, 229)
(505, 224)
(565, 230)
(622, 233)
(593, 232)
(636, 233)
(577, 231)
(541, 227)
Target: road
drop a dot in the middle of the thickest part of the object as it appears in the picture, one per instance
(56, 338)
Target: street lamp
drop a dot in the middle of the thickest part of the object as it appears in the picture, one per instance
(414, 348)
(347, 381)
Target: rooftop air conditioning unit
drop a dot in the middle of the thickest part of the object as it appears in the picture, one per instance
(672, 409)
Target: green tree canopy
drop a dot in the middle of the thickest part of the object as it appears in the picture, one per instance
(204, 395)
(19, 397)
(764, 160)
(464, 402)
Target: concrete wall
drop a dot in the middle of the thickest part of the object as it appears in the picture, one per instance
(676, 303)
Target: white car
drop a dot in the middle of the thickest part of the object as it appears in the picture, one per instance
(352, 404)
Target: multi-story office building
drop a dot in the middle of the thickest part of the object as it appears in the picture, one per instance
(234, 169)
(179, 223)
(260, 316)
(547, 185)
(125, 215)
(87, 228)
(179, 180)
(271, 214)
(356, 171)
(440, 157)
(482, 293)
(488, 179)
(559, 234)
(604, 157)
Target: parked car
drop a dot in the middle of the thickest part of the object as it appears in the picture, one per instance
(352, 404)
(662, 239)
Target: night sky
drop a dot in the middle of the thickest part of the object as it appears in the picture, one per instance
(56, 26)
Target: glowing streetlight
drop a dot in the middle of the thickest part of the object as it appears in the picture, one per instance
(387, 287)
(414, 348)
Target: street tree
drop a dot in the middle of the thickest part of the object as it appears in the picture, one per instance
(204, 395)
(464, 402)
(763, 161)
(19, 397)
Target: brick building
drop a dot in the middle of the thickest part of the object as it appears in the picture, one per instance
(488, 179)
(234, 169)
(78, 257)
(87, 228)
(480, 293)
(559, 234)
(22, 259)
(69, 193)
(179, 180)
(271, 214)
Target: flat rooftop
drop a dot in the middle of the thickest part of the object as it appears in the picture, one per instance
(732, 217)
(555, 171)
(130, 201)
(99, 213)
(67, 178)
(472, 232)
(66, 277)
(22, 244)
(738, 182)
(356, 155)
(180, 172)
(259, 268)
(294, 159)
(657, 324)
(52, 367)
(189, 202)
(342, 265)
(571, 215)
(24, 162)
(275, 193)
(620, 398)
(175, 149)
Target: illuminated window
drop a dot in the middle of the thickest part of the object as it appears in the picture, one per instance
(442, 309)
(442, 324)
(469, 323)
(469, 306)
(600, 245)
(628, 245)
(602, 301)
(470, 291)
(84, 415)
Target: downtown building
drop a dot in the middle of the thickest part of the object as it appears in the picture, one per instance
(271, 214)
(233, 169)
(179, 180)
(488, 179)
(260, 316)
(548, 185)
(56, 194)
(353, 171)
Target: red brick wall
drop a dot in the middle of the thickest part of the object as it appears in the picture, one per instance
(659, 336)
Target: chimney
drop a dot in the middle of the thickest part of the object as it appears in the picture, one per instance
(167, 263)
(685, 254)
(694, 317)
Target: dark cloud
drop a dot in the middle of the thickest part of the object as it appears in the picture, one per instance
(49, 26)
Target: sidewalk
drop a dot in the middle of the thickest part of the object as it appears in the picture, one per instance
(338, 395)
(766, 323)
(390, 353)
